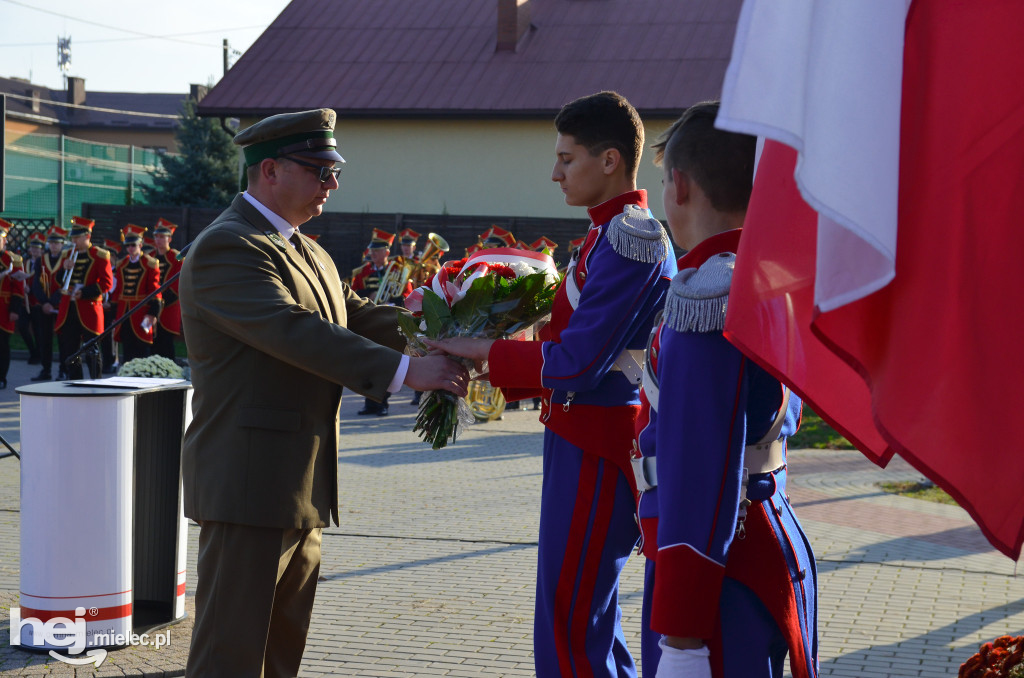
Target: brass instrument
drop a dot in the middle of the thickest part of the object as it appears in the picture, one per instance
(436, 246)
(71, 271)
(486, 402)
(429, 261)
(392, 281)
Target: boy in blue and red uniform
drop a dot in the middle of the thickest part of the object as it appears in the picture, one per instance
(585, 368)
(730, 578)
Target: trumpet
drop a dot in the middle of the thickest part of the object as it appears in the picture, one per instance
(71, 271)
(392, 281)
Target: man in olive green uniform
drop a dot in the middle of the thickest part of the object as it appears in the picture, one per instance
(272, 336)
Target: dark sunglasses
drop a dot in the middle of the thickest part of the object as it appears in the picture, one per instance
(323, 173)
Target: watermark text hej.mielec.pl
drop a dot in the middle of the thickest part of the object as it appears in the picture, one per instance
(71, 634)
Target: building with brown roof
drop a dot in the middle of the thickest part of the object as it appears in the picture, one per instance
(446, 105)
(101, 117)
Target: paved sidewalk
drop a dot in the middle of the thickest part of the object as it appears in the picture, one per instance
(431, 571)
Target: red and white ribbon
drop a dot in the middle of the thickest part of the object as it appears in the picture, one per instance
(452, 292)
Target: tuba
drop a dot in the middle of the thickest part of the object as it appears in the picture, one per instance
(486, 402)
(436, 246)
(392, 282)
(429, 261)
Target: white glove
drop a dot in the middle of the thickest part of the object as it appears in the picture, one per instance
(677, 663)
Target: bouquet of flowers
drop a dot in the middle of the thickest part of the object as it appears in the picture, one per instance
(497, 293)
(153, 366)
(1002, 658)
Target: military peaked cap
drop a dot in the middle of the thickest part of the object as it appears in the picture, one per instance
(306, 133)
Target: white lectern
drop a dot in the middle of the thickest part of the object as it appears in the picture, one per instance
(102, 529)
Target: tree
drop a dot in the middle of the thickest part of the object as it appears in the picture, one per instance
(205, 173)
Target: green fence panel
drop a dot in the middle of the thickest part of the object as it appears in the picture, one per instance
(50, 177)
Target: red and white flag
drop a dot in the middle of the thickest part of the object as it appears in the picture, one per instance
(882, 264)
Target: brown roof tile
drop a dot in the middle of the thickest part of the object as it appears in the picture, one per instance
(438, 57)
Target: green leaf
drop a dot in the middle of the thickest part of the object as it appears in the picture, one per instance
(476, 304)
(436, 313)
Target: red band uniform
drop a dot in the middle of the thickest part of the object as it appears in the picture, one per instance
(80, 316)
(12, 299)
(169, 326)
(138, 276)
(366, 282)
(45, 284)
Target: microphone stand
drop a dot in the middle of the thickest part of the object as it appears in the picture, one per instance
(92, 346)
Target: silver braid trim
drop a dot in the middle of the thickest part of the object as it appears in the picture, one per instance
(636, 235)
(699, 297)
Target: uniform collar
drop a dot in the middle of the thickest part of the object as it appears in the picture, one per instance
(603, 213)
(280, 223)
(726, 241)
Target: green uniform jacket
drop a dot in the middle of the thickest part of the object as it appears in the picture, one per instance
(270, 345)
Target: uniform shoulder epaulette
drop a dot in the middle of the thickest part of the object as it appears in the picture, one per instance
(357, 269)
(15, 258)
(150, 262)
(699, 297)
(636, 235)
(101, 253)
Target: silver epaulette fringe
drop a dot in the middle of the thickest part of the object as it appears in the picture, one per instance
(699, 297)
(636, 235)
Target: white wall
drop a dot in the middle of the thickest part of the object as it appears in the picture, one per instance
(485, 167)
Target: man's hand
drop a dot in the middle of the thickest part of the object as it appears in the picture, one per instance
(467, 347)
(19, 275)
(68, 264)
(13, 317)
(437, 372)
(48, 308)
(76, 295)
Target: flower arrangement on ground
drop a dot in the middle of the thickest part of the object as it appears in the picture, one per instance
(154, 366)
(1002, 658)
(497, 293)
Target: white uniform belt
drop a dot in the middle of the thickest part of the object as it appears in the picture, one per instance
(631, 363)
(650, 386)
(764, 458)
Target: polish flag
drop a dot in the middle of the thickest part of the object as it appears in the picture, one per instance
(881, 271)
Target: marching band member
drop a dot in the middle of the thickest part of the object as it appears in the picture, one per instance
(138, 276)
(730, 577)
(587, 372)
(366, 281)
(45, 284)
(168, 326)
(31, 312)
(12, 298)
(86, 277)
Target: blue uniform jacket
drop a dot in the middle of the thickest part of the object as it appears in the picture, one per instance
(584, 400)
(712, 402)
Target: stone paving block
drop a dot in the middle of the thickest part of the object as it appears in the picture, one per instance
(431, 572)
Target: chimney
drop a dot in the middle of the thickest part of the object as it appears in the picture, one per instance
(197, 92)
(76, 91)
(34, 93)
(513, 20)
